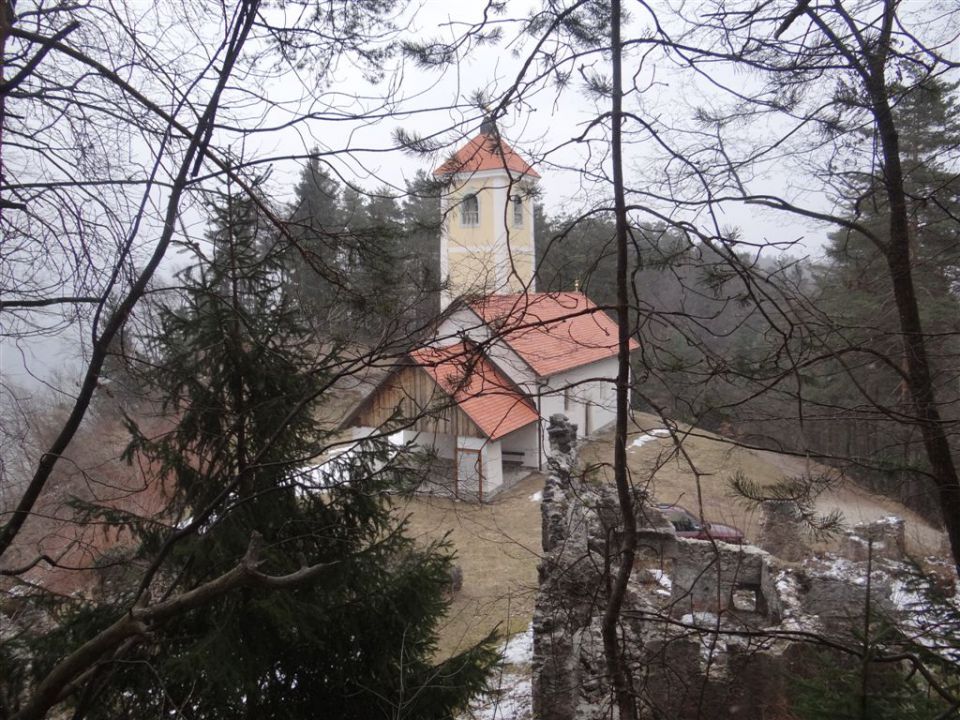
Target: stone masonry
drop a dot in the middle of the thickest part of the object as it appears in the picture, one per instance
(706, 625)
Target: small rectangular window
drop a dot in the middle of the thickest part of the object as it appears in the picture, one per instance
(567, 400)
(518, 211)
(470, 211)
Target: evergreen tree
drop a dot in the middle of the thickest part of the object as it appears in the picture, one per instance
(363, 266)
(314, 262)
(574, 252)
(381, 290)
(837, 686)
(242, 384)
(855, 293)
(835, 691)
(421, 228)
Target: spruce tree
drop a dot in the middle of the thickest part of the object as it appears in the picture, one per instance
(380, 289)
(315, 261)
(421, 228)
(355, 265)
(242, 386)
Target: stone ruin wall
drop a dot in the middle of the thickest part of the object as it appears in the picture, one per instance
(693, 607)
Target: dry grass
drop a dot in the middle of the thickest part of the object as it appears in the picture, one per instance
(498, 547)
(669, 474)
(498, 544)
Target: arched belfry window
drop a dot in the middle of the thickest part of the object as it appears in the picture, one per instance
(470, 210)
(517, 211)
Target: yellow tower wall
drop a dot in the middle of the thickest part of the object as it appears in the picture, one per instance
(497, 254)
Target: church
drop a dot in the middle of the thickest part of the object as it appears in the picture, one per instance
(503, 357)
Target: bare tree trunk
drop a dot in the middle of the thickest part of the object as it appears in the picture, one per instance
(918, 373)
(917, 361)
(626, 703)
(194, 153)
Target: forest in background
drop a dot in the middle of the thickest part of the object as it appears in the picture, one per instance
(808, 358)
(712, 358)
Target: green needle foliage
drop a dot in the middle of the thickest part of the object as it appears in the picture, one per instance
(242, 385)
(835, 692)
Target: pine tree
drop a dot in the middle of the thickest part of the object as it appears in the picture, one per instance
(855, 292)
(242, 384)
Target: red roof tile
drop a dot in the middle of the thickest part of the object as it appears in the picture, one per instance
(485, 152)
(551, 332)
(479, 389)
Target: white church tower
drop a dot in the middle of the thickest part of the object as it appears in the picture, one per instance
(486, 242)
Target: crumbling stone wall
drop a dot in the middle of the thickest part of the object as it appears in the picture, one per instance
(697, 615)
(781, 528)
(884, 538)
(680, 667)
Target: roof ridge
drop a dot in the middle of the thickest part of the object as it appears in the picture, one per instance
(481, 153)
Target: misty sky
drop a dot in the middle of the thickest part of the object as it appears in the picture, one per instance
(439, 104)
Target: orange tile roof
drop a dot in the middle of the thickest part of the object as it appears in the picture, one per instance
(486, 152)
(479, 389)
(551, 332)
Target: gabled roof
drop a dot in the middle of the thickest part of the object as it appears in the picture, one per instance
(481, 391)
(486, 152)
(551, 332)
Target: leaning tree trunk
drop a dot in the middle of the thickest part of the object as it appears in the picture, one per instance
(918, 372)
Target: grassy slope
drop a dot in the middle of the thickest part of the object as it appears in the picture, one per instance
(498, 544)
(671, 478)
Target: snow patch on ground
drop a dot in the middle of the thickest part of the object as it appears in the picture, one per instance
(518, 650)
(839, 568)
(713, 649)
(663, 580)
(788, 590)
(512, 695)
(904, 597)
(649, 435)
(537, 496)
(700, 619)
(512, 700)
(932, 624)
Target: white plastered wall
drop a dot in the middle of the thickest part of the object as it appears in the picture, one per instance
(465, 323)
(591, 388)
(492, 468)
(442, 444)
(522, 445)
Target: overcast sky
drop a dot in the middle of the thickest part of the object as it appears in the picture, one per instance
(438, 103)
(540, 127)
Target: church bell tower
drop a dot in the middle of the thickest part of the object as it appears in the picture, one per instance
(486, 241)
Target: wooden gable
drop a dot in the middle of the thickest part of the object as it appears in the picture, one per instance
(409, 399)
